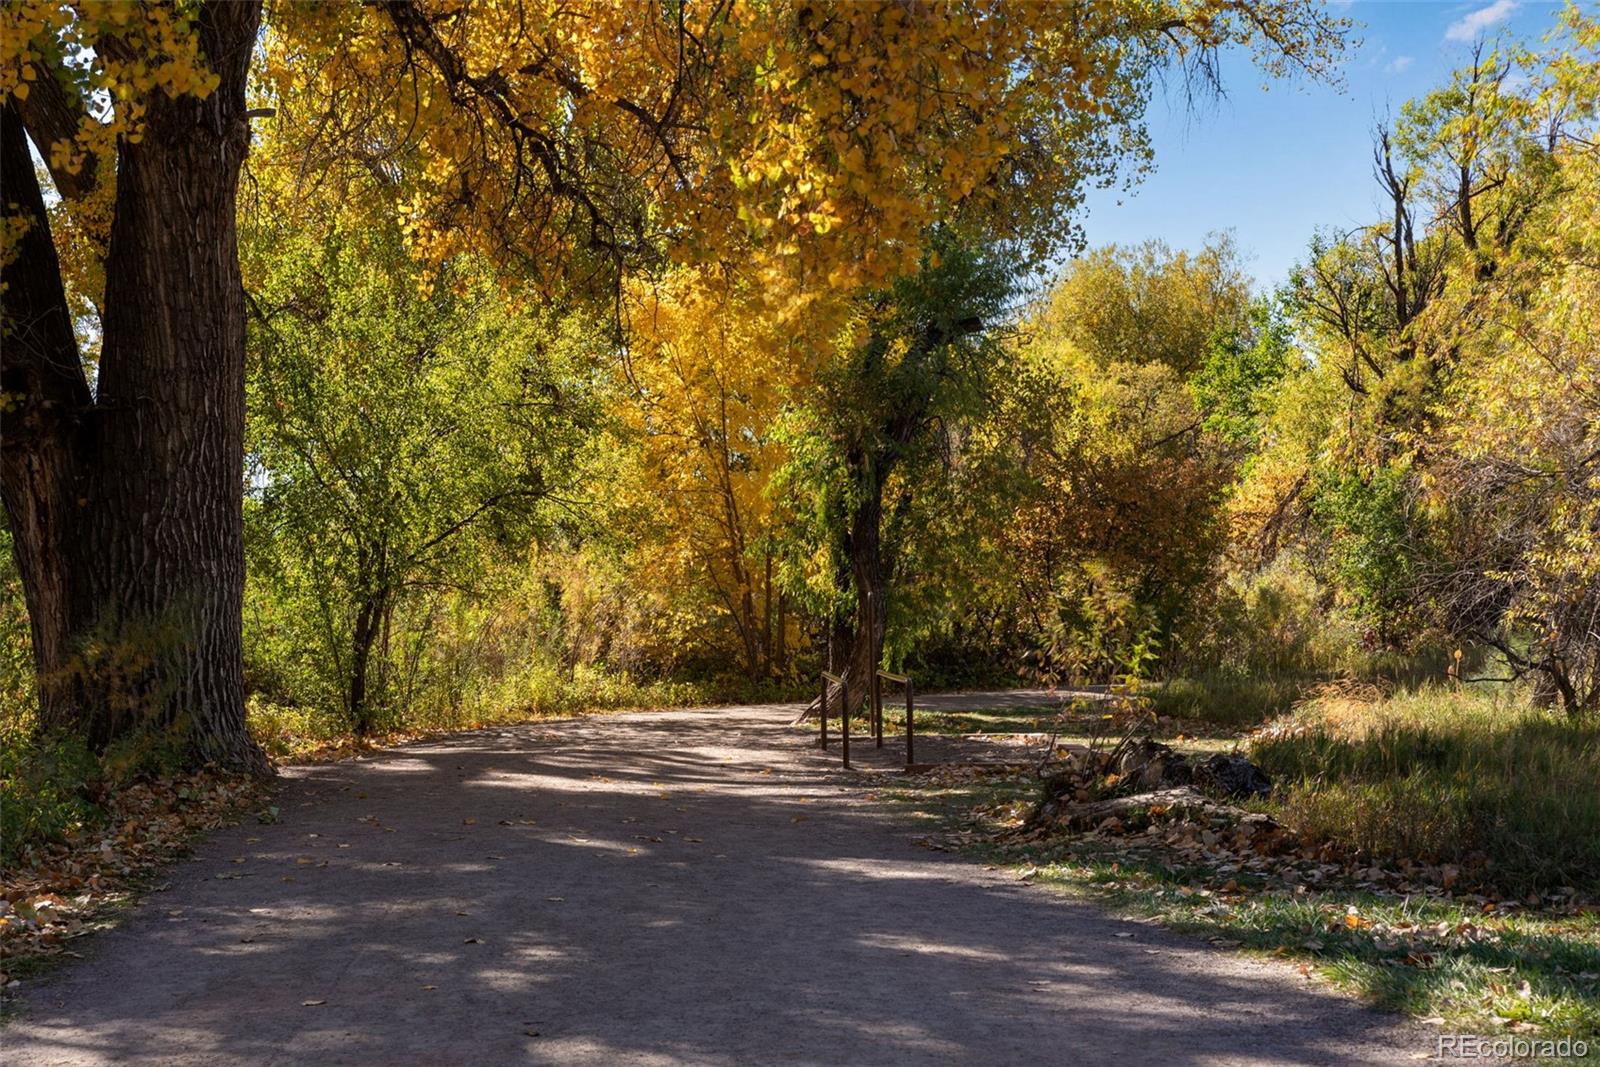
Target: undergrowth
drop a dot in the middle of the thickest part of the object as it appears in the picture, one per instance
(1479, 778)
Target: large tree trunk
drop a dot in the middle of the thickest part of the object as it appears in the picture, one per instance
(127, 511)
(45, 432)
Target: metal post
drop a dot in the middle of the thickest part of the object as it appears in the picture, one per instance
(874, 696)
(910, 728)
(822, 711)
(844, 720)
(877, 708)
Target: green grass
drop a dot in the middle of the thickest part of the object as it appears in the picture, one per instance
(291, 732)
(957, 722)
(1078, 726)
(1428, 957)
(1226, 699)
(1481, 779)
(1474, 776)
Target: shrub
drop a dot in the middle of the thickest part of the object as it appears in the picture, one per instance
(44, 791)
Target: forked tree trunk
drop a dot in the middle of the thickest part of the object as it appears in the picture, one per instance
(871, 467)
(855, 646)
(126, 509)
(44, 431)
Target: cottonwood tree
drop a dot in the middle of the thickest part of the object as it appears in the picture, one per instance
(560, 139)
(1443, 439)
(124, 491)
(1510, 466)
(708, 369)
(917, 359)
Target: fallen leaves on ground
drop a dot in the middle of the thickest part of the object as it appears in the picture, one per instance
(1252, 852)
(1238, 854)
(1410, 934)
(60, 892)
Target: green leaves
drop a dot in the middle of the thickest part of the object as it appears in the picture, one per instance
(403, 443)
(1243, 363)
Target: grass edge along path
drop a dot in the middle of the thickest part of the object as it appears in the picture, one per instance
(1462, 963)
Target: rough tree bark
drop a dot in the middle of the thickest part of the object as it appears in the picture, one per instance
(125, 503)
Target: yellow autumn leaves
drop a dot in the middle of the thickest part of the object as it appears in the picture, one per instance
(826, 138)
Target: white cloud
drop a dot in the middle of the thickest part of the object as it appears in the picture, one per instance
(1469, 26)
(1399, 64)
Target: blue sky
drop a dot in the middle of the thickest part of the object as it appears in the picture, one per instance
(1273, 164)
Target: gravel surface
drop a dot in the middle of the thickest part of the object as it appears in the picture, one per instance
(688, 887)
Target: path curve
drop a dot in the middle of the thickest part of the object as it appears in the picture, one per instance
(683, 887)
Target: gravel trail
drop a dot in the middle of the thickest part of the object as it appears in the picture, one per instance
(684, 887)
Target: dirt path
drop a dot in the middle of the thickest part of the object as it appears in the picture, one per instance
(695, 887)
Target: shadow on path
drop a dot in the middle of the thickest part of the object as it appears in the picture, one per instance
(696, 887)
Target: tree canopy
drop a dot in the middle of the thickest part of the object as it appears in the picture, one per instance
(571, 149)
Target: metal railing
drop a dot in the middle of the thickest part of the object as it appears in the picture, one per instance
(877, 710)
(844, 712)
(875, 693)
